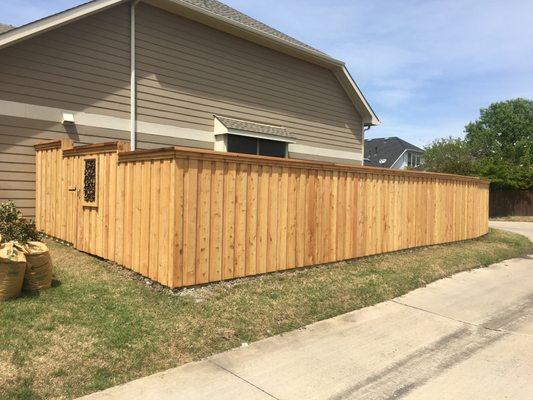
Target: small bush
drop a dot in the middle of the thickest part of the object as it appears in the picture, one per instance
(15, 227)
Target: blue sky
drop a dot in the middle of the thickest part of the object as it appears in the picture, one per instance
(426, 67)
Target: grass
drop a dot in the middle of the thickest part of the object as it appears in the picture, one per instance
(100, 328)
(514, 218)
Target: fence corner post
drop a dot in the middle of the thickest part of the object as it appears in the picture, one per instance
(123, 146)
(67, 144)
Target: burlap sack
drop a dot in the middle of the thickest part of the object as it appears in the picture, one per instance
(12, 268)
(38, 267)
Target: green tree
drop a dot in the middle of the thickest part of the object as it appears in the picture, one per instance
(503, 133)
(497, 146)
(449, 155)
(501, 140)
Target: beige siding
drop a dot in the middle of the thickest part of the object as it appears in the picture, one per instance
(76, 67)
(17, 156)
(188, 72)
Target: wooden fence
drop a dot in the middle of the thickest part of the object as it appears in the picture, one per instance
(512, 202)
(184, 217)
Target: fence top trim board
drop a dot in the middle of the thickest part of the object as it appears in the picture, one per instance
(54, 144)
(178, 152)
(105, 147)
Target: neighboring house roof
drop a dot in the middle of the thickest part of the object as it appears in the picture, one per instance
(216, 14)
(248, 126)
(5, 28)
(383, 152)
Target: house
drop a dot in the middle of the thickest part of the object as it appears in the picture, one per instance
(392, 152)
(170, 72)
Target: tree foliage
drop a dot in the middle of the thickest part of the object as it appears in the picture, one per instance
(449, 155)
(497, 146)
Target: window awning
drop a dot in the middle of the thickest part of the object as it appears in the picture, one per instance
(225, 125)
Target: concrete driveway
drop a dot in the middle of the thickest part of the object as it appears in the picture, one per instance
(465, 337)
(523, 228)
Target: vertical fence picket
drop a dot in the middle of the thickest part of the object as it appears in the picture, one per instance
(190, 217)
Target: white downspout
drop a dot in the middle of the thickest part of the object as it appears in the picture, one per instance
(364, 130)
(133, 80)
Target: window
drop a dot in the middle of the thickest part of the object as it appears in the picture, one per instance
(242, 144)
(251, 145)
(413, 160)
(89, 182)
(272, 148)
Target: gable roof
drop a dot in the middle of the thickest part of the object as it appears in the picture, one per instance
(220, 16)
(228, 12)
(387, 150)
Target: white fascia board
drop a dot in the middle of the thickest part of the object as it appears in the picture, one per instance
(394, 163)
(54, 21)
(357, 97)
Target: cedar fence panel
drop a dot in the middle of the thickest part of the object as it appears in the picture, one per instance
(512, 202)
(184, 217)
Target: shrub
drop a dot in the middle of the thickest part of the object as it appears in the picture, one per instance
(15, 227)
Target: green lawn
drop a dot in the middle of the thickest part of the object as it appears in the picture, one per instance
(99, 327)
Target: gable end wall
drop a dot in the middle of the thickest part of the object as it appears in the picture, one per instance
(187, 72)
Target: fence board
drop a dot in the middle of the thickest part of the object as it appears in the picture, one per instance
(187, 217)
(251, 221)
(229, 220)
(508, 203)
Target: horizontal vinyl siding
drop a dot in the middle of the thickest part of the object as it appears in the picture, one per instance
(312, 157)
(75, 67)
(17, 155)
(188, 72)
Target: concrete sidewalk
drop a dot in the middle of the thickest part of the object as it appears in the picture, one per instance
(523, 228)
(464, 337)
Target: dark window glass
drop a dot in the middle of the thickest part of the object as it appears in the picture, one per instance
(242, 144)
(250, 145)
(272, 148)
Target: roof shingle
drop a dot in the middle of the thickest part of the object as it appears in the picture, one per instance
(228, 12)
(383, 152)
(248, 126)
